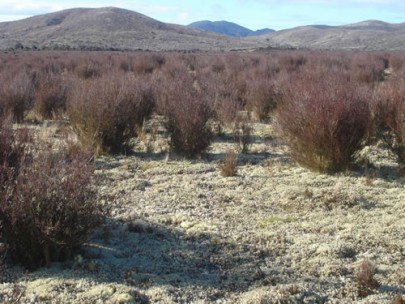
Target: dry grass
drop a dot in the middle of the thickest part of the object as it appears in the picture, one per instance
(229, 164)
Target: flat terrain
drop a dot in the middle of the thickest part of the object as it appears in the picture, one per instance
(179, 232)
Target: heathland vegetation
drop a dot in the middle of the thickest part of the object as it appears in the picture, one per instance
(328, 108)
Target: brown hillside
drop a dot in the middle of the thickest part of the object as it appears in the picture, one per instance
(366, 35)
(107, 28)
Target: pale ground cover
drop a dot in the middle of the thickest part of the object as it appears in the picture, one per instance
(179, 232)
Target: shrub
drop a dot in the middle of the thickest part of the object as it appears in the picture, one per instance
(242, 132)
(185, 101)
(388, 114)
(49, 208)
(262, 98)
(12, 148)
(224, 112)
(147, 63)
(88, 69)
(229, 165)
(368, 68)
(398, 300)
(106, 112)
(16, 94)
(324, 120)
(51, 96)
(366, 282)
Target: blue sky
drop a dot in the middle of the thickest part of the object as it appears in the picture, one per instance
(254, 14)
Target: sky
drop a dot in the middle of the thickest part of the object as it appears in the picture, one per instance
(253, 14)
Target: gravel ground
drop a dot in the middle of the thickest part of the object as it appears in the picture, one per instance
(179, 232)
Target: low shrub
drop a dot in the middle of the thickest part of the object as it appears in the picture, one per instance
(48, 209)
(51, 96)
(106, 112)
(324, 120)
(17, 90)
(229, 164)
(366, 283)
(368, 68)
(262, 98)
(389, 117)
(242, 132)
(88, 69)
(185, 101)
(398, 300)
(147, 63)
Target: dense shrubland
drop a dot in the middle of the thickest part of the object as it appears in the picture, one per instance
(325, 106)
(316, 98)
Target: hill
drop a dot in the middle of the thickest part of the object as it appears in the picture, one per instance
(112, 28)
(366, 35)
(108, 28)
(227, 28)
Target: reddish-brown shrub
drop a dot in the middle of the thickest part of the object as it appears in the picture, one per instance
(147, 63)
(262, 98)
(105, 112)
(368, 68)
(324, 120)
(48, 209)
(398, 300)
(51, 95)
(389, 116)
(88, 70)
(229, 165)
(16, 93)
(242, 132)
(186, 103)
(366, 283)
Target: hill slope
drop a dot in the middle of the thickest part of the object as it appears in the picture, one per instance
(108, 28)
(227, 28)
(366, 35)
(118, 29)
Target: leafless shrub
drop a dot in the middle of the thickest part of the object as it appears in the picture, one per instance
(229, 165)
(262, 98)
(147, 63)
(388, 115)
(48, 209)
(242, 132)
(368, 68)
(366, 283)
(398, 300)
(51, 96)
(107, 111)
(16, 93)
(324, 120)
(185, 101)
(87, 70)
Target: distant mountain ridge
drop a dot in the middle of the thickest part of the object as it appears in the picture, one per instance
(111, 28)
(108, 28)
(228, 28)
(372, 35)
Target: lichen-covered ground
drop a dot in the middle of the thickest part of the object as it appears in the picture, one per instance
(179, 232)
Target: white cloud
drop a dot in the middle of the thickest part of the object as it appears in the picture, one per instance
(30, 7)
(183, 17)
